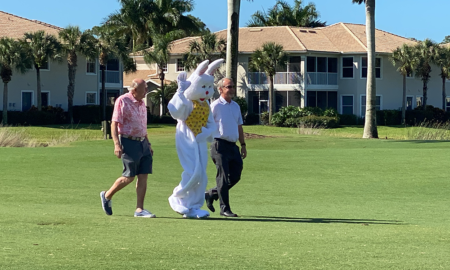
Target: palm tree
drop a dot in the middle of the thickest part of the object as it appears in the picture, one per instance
(234, 7)
(42, 48)
(425, 53)
(109, 46)
(12, 57)
(403, 57)
(210, 48)
(283, 14)
(156, 96)
(268, 58)
(442, 60)
(370, 125)
(169, 16)
(74, 41)
(159, 54)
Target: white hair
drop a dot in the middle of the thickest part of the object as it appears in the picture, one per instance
(133, 86)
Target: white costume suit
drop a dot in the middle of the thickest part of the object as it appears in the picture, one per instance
(188, 197)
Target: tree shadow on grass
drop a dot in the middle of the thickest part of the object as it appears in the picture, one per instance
(365, 222)
(419, 141)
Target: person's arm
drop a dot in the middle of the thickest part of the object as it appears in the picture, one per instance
(242, 142)
(115, 136)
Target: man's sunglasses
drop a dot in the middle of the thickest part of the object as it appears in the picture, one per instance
(229, 86)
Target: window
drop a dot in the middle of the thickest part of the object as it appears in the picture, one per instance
(322, 99)
(294, 64)
(164, 68)
(347, 67)
(91, 67)
(45, 66)
(447, 104)
(91, 98)
(45, 98)
(377, 67)
(419, 101)
(27, 100)
(321, 70)
(409, 103)
(410, 74)
(180, 65)
(347, 104)
(363, 104)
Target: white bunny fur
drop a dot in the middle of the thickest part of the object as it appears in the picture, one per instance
(188, 196)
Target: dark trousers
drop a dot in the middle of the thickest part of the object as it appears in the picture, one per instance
(229, 166)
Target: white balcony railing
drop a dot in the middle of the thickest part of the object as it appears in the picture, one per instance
(279, 78)
(112, 76)
(321, 78)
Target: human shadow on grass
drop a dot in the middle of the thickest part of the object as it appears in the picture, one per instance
(419, 141)
(308, 220)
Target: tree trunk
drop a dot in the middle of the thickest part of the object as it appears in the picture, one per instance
(5, 104)
(39, 97)
(404, 100)
(72, 64)
(232, 39)
(425, 94)
(443, 92)
(163, 103)
(271, 98)
(71, 91)
(370, 125)
(103, 98)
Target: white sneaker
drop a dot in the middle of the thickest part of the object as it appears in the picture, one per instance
(144, 213)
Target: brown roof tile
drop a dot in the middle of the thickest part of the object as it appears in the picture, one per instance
(14, 26)
(146, 75)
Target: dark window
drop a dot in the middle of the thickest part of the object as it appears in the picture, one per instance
(322, 99)
(332, 65)
(409, 103)
(180, 65)
(294, 64)
(321, 64)
(347, 67)
(377, 67)
(311, 64)
(44, 99)
(90, 67)
(45, 65)
(113, 64)
(347, 105)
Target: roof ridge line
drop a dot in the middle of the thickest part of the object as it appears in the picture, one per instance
(296, 38)
(354, 36)
(34, 21)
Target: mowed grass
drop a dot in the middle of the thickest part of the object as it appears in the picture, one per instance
(306, 202)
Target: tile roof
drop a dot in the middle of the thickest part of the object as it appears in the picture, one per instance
(336, 38)
(14, 26)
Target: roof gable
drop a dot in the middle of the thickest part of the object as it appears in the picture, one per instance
(15, 27)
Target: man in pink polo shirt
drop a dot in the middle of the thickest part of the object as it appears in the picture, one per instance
(129, 132)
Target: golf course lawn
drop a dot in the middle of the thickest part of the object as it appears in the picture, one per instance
(305, 202)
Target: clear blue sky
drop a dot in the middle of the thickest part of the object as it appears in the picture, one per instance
(409, 18)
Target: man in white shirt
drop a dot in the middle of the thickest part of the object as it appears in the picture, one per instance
(224, 151)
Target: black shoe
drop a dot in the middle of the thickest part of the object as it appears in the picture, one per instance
(209, 202)
(106, 204)
(228, 214)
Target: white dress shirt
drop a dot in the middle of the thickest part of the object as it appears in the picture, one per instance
(227, 117)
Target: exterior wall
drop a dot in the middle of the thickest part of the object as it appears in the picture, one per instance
(55, 81)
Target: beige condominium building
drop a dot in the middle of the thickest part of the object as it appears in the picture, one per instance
(54, 77)
(327, 67)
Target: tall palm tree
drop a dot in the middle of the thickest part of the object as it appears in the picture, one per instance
(159, 54)
(42, 48)
(110, 46)
(234, 7)
(74, 41)
(442, 60)
(403, 58)
(268, 58)
(370, 125)
(209, 48)
(169, 16)
(156, 96)
(283, 14)
(12, 57)
(425, 53)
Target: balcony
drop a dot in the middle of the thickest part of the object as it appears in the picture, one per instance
(279, 78)
(321, 78)
(112, 76)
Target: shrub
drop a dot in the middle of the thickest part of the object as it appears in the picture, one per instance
(350, 120)
(331, 112)
(242, 104)
(307, 111)
(251, 119)
(389, 117)
(91, 114)
(318, 122)
(264, 117)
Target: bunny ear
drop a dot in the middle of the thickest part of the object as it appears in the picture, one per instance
(202, 67)
(214, 66)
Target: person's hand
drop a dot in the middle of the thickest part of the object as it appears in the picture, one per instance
(118, 151)
(243, 151)
(182, 83)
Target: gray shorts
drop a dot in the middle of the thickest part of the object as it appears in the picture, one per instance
(136, 158)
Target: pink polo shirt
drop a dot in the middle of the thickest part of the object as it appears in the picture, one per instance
(131, 116)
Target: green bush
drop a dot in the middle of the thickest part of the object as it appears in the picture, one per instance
(242, 102)
(307, 111)
(331, 112)
(47, 116)
(251, 119)
(350, 120)
(264, 117)
(389, 117)
(317, 122)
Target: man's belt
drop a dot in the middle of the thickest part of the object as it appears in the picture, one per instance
(132, 137)
(225, 141)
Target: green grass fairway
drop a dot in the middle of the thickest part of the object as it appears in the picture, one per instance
(306, 202)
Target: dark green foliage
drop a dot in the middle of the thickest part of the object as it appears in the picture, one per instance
(251, 119)
(314, 121)
(307, 111)
(419, 115)
(330, 112)
(311, 117)
(264, 117)
(350, 120)
(389, 117)
(90, 114)
(48, 116)
(242, 104)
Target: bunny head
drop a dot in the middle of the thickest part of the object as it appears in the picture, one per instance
(202, 81)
